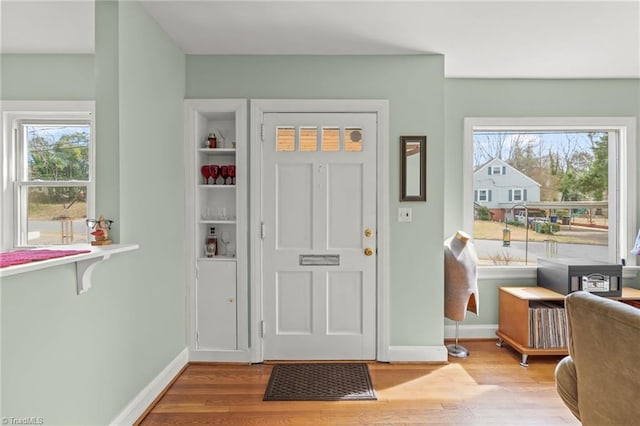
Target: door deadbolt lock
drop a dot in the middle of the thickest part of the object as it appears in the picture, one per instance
(368, 232)
(368, 251)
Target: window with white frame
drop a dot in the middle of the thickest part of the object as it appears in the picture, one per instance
(483, 195)
(47, 170)
(497, 170)
(518, 194)
(573, 177)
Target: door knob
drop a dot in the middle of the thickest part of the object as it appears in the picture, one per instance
(368, 232)
(368, 251)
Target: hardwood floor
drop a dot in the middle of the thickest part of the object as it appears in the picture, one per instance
(488, 388)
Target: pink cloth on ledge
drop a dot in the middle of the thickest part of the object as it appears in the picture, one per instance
(18, 257)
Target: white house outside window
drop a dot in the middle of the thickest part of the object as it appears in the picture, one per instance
(48, 172)
(573, 177)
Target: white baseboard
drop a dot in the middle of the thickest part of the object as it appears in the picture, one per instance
(220, 356)
(418, 353)
(141, 402)
(482, 331)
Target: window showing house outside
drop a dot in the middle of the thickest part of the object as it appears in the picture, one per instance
(560, 195)
(49, 174)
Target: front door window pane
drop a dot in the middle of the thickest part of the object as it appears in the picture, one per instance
(285, 139)
(353, 139)
(330, 139)
(308, 139)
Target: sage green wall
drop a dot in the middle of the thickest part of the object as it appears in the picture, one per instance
(51, 337)
(46, 77)
(151, 92)
(107, 120)
(414, 87)
(519, 98)
(78, 360)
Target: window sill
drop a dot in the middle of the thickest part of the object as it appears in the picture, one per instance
(507, 272)
(531, 272)
(85, 262)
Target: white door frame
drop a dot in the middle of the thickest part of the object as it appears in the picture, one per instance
(381, 109)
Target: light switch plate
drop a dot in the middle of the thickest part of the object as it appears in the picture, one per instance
(405, 214)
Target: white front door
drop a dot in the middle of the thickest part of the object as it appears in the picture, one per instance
(319, 249)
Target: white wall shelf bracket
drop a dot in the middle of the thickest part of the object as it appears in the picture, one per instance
(84, 269)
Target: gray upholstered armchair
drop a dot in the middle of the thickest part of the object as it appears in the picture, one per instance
(600, 379)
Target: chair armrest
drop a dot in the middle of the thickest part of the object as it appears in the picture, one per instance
(567, 384)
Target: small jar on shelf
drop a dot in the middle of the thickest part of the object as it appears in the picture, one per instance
(211, 246)
(212, 141)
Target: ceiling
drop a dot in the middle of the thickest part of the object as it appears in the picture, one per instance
(484, 39)
(46, 26)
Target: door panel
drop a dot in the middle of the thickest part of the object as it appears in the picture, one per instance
(294, 214)
(319, 197)
(294, 302)
(345, 185)
(344, 317)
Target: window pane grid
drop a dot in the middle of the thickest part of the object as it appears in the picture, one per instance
(55, 214)
(55, 151)
(305, 139)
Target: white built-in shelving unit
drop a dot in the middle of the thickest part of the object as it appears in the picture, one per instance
(217, 295)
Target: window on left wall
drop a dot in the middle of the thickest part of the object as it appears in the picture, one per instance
(48, 170)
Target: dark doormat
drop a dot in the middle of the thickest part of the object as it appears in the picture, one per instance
(319, 382)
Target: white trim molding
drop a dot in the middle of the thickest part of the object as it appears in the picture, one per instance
(471, 331)
(200, 355)
(436, 354)
(11, 112)
(623, 169)
(531, 272)
(137, 406)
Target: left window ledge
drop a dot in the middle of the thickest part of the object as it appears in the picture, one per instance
(85, 262)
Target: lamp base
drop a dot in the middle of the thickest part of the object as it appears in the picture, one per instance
(457, 351)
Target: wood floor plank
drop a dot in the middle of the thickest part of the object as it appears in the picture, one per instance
(488, 388)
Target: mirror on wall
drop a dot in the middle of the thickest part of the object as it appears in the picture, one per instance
(413, 168)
